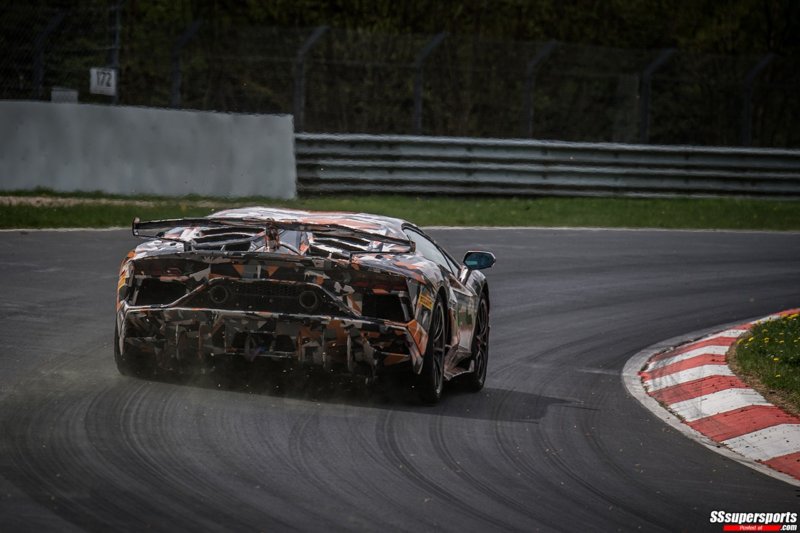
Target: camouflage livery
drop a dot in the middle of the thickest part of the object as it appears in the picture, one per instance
(348, 292)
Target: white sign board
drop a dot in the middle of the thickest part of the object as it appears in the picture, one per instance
(103, 81)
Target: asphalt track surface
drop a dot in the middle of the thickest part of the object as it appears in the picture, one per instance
(554, 442)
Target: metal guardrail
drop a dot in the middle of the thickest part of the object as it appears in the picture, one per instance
(450, 165)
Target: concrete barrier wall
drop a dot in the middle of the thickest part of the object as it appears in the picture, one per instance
(130, 150)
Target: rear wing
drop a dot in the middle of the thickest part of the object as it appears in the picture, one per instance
(243, 230)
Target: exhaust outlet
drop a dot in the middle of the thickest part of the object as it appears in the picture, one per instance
(219, 294)
(308, 300)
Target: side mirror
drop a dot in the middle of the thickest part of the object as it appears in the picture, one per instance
(479, 260)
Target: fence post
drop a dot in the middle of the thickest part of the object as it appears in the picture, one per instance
(300, 77)
(644, 102)
(114, 52)
(746, 137)
(183, 40)
(38, 54)
(530, 78)
(419, 61)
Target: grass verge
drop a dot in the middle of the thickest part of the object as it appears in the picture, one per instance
(47, 209)
(768, 359)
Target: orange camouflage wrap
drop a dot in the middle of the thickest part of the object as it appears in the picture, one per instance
(347, 292)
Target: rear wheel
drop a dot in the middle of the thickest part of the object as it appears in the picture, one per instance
(430, 381)
(480, 349)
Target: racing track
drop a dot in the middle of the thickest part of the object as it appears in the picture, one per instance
(553, 443)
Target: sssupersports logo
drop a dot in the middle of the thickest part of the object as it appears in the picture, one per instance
(754, 521)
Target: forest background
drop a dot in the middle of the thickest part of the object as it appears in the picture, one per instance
(481, 79)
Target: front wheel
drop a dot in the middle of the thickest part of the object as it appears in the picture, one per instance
(430, 382)
(480, 349)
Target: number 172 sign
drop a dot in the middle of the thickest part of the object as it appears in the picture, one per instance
(103, 81)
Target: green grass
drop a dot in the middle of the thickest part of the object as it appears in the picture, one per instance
(726, 213)
(771, 355)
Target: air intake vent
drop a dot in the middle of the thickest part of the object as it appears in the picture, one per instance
(157, 292)
(384, 306)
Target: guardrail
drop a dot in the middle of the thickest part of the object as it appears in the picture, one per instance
(449, 165)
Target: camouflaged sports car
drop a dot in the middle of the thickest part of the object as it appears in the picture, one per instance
(356, 293)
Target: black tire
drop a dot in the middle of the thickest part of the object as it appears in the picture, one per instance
(127, 365)
(480, 348)
(430, 382)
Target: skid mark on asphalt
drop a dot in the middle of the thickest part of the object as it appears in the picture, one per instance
(492, 490)
(388, 442)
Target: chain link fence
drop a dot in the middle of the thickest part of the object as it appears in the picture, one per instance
(46, 48)
(357, 82)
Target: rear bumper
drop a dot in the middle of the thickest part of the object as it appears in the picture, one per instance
(172, 335)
